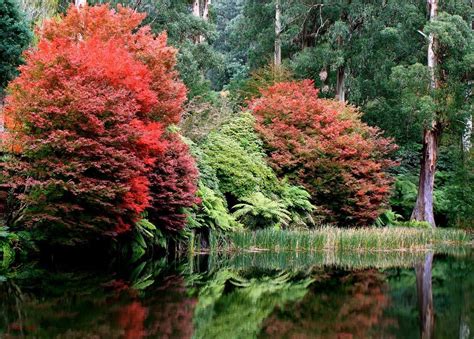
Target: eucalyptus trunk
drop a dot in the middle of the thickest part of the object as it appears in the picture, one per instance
(341, 84)
(196, 8)
(423, 210)
(425, 296)
(466, 137)
(277, 53)
(205, 12)
(80, 3)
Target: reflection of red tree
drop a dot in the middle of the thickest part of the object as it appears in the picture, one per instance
(131, 319)
(171, 310)
(349, 310)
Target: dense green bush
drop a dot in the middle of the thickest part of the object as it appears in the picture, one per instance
(14, 38)
(234, 152)
(212, 212)
(298, 202)
(257, 211)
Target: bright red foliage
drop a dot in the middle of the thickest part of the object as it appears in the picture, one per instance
(173, 186)
(85, 152)
(324, 146)
(87, 115)
(123, 27)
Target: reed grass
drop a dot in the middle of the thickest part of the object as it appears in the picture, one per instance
(297, 261)
(339, 239)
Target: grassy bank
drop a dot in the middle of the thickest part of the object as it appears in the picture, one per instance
(339, 239)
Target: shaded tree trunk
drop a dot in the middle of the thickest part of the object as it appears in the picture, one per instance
(425, 296)
(423, 210)
(277, 52)
(341, 84)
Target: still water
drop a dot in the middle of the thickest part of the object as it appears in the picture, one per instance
(261, 295)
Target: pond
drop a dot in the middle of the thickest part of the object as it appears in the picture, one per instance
(253, 295)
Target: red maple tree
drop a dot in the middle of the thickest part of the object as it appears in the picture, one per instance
(86, 117)
(123, 26)
(323, 145)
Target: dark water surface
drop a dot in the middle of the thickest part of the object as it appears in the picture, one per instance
(248, 296)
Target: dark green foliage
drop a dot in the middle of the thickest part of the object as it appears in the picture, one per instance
(460, 193)
(14, 38)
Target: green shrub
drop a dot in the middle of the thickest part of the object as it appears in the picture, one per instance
(388, 218)
(7, 252)
(234, 153)
(414, 224)
(297, 201)
(212, 212)
(404, 195)
(258, 211)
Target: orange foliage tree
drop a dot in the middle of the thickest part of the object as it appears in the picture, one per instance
(323, 145)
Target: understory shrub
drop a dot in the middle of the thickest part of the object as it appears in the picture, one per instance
(257, 211)
(212, 213)
(236, 157)
(323, 145)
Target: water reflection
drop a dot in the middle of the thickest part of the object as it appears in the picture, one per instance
(249, 297)
(425, 296)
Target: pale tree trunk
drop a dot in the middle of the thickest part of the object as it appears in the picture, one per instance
(205, 12)
(2, 103)
(277, 52)
(80, 3)
(425, 296)
(196, 8)
(341, 84)
(423, 210)
(466, 137)
(197, 14)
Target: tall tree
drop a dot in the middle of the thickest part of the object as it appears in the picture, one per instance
(423, 210)
(277, 53)
(14, 38)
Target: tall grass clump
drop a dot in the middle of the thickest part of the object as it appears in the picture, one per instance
(338, 239)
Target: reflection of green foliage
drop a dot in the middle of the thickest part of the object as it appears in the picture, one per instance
(240, 312)
(304, 261)
(452, 287)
